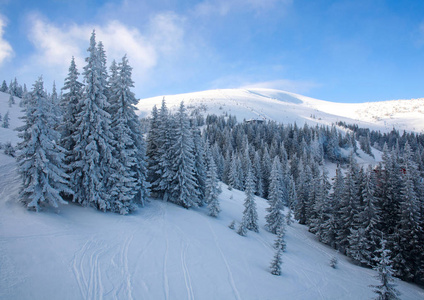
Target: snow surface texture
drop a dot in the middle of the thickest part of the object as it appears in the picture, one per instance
(285, 107)
(162, 252)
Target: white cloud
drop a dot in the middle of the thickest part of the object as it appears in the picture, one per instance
(56, 45)
(166, 31)
(6, 50)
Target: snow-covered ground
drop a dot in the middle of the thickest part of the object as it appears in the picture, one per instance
(163, 251)
(285, 107)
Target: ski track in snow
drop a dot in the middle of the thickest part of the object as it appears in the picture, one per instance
(78, 270)
(230, 274)
(302, 235)
(165, 257)
(125, 270)
(186, 272)
(266, 244)
(88, 267)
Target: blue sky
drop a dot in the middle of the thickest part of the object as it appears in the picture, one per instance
(343, 51)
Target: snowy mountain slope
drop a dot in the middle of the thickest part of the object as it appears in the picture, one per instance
(163, 252)
(288, 107)
(8, 134)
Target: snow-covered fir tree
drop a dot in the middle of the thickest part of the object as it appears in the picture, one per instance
(289, 216)
(212, 188)
(11, 100)
(304, 188)
(41, 159)
(279, 246)
(320, 207)
(258, 174)
(332, 219)
(70, 106)
(386, 290)
(250, 214)
(235, 175)
(183, 184)
(56, 107)
(277, 262)
(153, 146)
(92, 155)
(333, 262)
(161, 172)
(200, 168)
(408, 250)
(6, 120)
(275, 198)
(128, 183)
(242, 230)
(363, 240)
(4, 88)
(349, 206)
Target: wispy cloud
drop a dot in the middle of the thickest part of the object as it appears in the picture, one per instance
(55, 45)
(6, 50)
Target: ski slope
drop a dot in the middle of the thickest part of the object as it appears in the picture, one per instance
(163, 251)
(285, 107)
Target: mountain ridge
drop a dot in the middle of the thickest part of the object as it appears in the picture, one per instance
(287, 107)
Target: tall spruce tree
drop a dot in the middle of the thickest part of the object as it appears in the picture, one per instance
(183, 184)
(408, 248)
(200, 168)
(212, 188)
(348, 206)
(304, 188)
(41, 158)
(279, 246)
(332, 221)
(275, 198)
(70, 106)
(128, 184)
(160, 168)
(386, 290)
(321, 205)
(258, 174)
(93, 160)
(153, 146)
(363, 241)
(250, 214)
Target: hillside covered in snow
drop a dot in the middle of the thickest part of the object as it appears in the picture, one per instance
(163, 251)
(285, 107)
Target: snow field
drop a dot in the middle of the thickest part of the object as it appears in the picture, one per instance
(163, 252)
